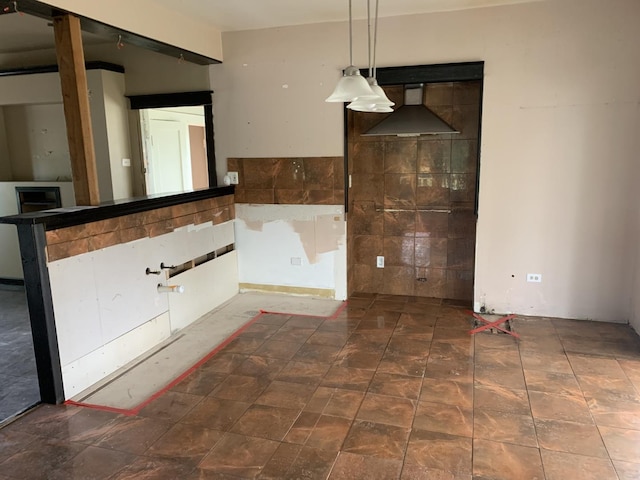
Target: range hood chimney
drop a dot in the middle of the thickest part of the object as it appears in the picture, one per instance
(411, 119)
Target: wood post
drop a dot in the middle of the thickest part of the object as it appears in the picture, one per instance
(75, 95)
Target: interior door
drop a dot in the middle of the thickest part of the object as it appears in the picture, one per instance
(164, 166)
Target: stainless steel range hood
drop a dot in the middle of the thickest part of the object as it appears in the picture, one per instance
(411, 119)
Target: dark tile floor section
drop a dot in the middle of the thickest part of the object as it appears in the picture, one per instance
(393, 388)
(18, 375)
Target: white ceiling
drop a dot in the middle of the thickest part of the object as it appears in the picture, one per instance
(230, 15)
(20, 33)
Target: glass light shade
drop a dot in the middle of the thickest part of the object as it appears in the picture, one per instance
(363, 106)
(378, 104)
(350, 87)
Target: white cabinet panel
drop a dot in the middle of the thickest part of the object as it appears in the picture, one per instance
(223, 235)
(75, 307)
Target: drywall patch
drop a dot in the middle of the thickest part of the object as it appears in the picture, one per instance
(323, 234)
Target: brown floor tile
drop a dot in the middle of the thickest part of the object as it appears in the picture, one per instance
(312, 463)
(260, 331)
(395, 385)
(417, 472)
(133, 434)
(216, 413)
(546, 362)
(171, 406)
(286, 395)
(552, 382)
(335, 401)
(241, 388)
(239, 455)
(329, 433)
(626, 470)
(185, 441)
(439, 451)
(349, 466)
(439, 417)
(40, 456)
(388, 410)
(302, 428)
(572, 408)
(263, 421)
(12, 442)
(376, 440)
(276, 468)
(415, 345)
(348, 378)
(224, 362)
(263, 367)
(278, 349)
(605, 388)
(503, 461)
(56, 421)
(351, 357)
(561, 466)
(302, 321)
(596, 365)
(331, 338)
(491, 376)
(450, 392)
(501, 399)
(317, 353)
(498, 357)
(309, 373)
(292, 335)
(272, 319)
(402, 365)
(244, 345)
(622, 444)
(200, 382)
(92, 464)
(504, 427)
(617, 414)
(156, 468)
(570, 437)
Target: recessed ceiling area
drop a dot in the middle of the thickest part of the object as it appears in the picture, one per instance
(230, 15)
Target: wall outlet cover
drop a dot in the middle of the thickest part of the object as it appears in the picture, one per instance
(233, 176)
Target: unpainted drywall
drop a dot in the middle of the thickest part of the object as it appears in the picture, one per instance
(559, 133)
(292, 246)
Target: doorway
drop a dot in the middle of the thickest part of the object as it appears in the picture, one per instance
(413, 200)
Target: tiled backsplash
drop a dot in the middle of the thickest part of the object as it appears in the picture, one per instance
(70, 241)
(292, 181)
(412, 201)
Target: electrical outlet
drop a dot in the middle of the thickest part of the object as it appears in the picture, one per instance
(534, 277)
(233, 176)
(380, 262)
(126, 162)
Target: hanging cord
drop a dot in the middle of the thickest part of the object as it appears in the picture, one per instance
(119, 43)
(375, 39)
(369, 35)
(350, 37)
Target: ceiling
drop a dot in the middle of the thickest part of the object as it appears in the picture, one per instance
(21, 33)
(229, 15)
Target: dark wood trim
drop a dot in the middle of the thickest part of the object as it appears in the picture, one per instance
(165, 100)
(443, 72)
(210, 143)
(53, 219)
(43, 326)
(346, 158)
(42, 10)
(95, 65)
(17, 282)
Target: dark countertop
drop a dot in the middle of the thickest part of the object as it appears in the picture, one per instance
(70, 216)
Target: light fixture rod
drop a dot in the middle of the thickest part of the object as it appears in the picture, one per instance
(375, 40)
(350, 36)
(369, 36)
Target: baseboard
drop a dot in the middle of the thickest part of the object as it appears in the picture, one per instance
(306, 291)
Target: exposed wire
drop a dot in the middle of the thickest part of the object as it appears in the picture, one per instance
(181, 59)
(119, 43)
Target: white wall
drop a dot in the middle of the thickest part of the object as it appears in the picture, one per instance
(559, 133)
(286, 246)
(149, 19)
(10, 263)
(37, 142)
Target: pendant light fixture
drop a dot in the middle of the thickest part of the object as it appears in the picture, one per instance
(352, 85)
(380, 103)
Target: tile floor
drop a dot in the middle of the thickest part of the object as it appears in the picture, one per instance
(18, 375)
(394, 387)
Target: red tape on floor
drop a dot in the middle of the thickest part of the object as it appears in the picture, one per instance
(135, 410)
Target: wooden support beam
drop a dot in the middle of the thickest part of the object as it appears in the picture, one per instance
(73, 78)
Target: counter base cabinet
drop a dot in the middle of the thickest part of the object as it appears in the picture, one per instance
(108, 310)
